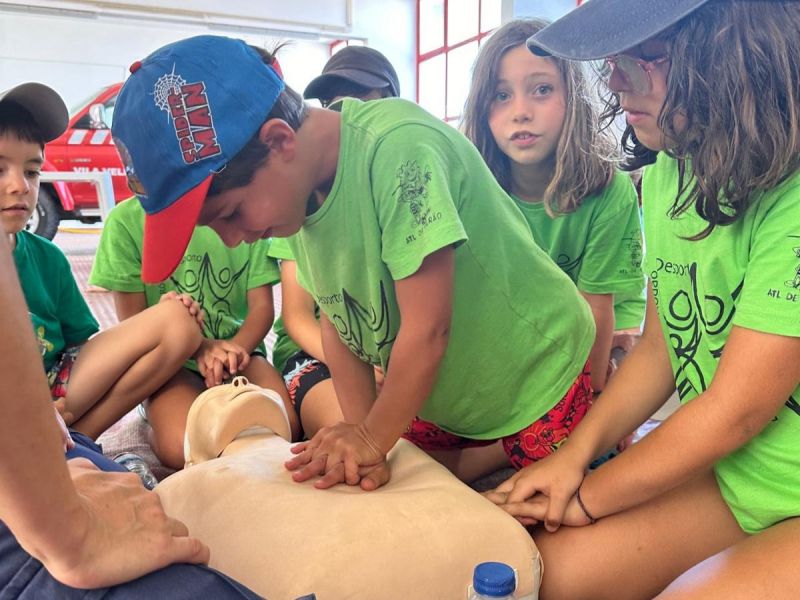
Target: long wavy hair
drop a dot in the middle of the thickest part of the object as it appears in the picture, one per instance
(735, 83)
(583, 155)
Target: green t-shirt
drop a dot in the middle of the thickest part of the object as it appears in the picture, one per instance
(216, 276)
(284, 346)
(599, 245)
(745, 274)
(58, 312)
(406, 186)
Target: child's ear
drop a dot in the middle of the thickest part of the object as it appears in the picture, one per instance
(279, 136)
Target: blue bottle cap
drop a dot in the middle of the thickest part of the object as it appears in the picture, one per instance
(494, 579)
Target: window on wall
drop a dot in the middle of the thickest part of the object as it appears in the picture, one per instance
(449, 33)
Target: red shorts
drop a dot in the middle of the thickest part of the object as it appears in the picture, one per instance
(58, 375)
(538, 440)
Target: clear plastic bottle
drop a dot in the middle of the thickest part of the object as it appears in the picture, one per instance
(493, 580)
(136, 464)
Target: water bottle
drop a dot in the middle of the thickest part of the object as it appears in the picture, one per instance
(493, 580)
(136, 464)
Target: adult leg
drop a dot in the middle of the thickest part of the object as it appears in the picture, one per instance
(167, 409)
(760, 566)
(635, 554)
(120, 367)
(263, 374)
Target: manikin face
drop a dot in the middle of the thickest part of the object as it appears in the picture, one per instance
(642, 109)
(527, 114)
(20, 165)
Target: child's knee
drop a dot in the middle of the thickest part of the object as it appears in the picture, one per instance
(178, 326)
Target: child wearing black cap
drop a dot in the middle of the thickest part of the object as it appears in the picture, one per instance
(397, 222)
(95, 377)
(354, 72)
(707, 505)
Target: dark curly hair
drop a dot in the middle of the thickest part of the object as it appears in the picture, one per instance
(735, 83)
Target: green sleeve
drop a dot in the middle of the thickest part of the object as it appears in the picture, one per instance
(770, 296)
(118, 262)
(279, 248)
(415, 171)
(612, 262)
(77, 322)
(263, 269)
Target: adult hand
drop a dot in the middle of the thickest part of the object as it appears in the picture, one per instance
(217, 359)
(552, 480)
(118, 532)
(343, 453)
(190, 303)
(62, 416)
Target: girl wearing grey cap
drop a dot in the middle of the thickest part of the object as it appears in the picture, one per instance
(705, 506)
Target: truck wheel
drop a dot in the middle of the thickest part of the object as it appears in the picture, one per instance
(44, 220)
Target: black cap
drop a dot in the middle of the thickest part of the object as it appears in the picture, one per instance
(601, 28)
(363, 66)
(44, 105)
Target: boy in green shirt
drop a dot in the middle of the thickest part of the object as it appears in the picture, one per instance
(397, 221)
(233, 288)
(95, 377)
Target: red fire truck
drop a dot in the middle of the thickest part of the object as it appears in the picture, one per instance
(84, 147)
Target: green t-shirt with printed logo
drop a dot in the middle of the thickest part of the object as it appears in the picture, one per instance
(216, 276)
(57, 310)
(599, 245)
(284, 346)
(745, 274)
(406, 186)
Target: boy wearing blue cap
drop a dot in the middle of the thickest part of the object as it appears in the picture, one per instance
(396, 217)
(64, 525)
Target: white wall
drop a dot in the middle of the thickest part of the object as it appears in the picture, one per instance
(548, 9)
(77, 55)
(390, 26)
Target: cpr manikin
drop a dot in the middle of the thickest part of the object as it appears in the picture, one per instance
(419, 536)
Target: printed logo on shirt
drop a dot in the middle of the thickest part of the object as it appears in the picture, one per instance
(190, 116)
(633, 245)
(360, 325)
(569, 265)
(211, 290)
(412, 189)
(793, 283)
(689, 318)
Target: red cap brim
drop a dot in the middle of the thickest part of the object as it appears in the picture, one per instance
(168, 232)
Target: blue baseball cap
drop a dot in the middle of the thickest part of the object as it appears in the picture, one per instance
(182, 115)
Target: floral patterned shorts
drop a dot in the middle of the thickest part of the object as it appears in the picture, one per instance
(58, 375)
(538, 440)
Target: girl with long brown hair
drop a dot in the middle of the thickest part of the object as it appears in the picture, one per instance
(533, 121)
(707, 505)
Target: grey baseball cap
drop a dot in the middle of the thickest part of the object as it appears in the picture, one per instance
(363, 66)
(601, 28)
(44, 104)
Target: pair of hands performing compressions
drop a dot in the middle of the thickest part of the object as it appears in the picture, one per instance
(343, 453)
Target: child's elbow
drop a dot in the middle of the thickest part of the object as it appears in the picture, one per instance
(436, 339)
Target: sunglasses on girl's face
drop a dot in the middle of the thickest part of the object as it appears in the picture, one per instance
(635, 72)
